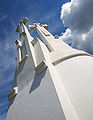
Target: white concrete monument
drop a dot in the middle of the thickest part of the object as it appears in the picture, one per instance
(52, 80)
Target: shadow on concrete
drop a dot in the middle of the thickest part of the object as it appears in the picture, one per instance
(37, 81)
(17, 71)
(11, 102)
(20, 67)
(15, 78)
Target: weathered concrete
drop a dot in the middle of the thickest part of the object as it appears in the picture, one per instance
(60, 89)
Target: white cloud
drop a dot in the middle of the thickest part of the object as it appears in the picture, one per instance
(3, 16)
(78, 17)
(7, 66)
(67, 36)
(3, 116)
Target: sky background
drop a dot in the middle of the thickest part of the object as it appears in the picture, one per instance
(72, 20)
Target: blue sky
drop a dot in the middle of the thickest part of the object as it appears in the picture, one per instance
(75, 14)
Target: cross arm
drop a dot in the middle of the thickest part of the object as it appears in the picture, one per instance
(33, 27)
